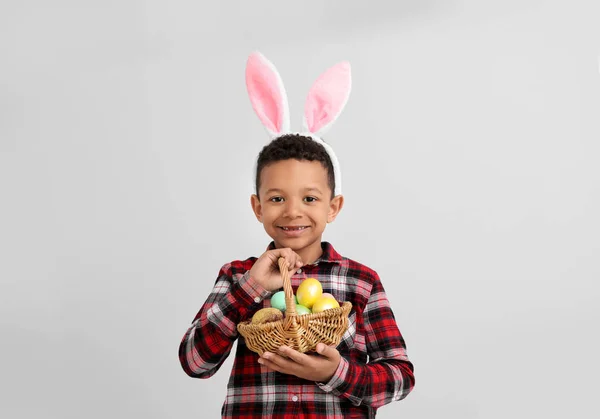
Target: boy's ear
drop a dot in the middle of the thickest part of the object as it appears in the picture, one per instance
(335, 206)
(256, 207)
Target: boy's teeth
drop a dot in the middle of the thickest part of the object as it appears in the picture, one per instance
(293, 228)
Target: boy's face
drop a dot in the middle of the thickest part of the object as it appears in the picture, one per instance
(295, 204)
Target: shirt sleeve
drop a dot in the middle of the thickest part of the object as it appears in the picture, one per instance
(388, 376)
(208, 341)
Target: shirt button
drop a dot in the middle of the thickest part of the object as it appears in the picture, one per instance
(295, 398)
(299, 271)
(257, 299)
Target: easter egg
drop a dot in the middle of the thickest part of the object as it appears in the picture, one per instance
(324, 303)
(278, 300)
(300, 310)
(308, 291)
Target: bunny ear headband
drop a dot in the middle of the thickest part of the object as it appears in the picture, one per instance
(326, 100)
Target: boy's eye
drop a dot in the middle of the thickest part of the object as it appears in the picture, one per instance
(276, 199)
(310, 199)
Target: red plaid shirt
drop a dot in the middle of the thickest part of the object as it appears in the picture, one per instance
(374, 368)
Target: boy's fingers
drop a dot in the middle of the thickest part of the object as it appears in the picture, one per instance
(276, 361)
(327, 351)
(270, 366)
(292, 259)
(275, 255)
(295, 356)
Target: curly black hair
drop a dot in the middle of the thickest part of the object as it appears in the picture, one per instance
(294, 146)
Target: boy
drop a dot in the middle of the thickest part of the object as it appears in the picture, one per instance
(294, 200)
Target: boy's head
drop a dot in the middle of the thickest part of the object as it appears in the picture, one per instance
(298, 180)
(298, 147)
(294, 197)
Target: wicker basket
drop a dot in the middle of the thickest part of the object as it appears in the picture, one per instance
(301, 333)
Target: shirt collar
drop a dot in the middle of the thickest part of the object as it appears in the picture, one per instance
(330, 255)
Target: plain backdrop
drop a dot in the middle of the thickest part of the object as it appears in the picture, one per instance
(470, 159)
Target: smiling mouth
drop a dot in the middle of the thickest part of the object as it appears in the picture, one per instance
(293, 228)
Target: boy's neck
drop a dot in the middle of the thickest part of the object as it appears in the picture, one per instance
(308, 254)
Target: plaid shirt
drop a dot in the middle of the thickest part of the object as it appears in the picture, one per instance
(374, 368)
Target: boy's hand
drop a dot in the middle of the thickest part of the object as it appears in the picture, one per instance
(318, 368)
(265, 270)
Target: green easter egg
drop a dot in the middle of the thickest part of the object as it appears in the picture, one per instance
(278, 300)
(300, 310)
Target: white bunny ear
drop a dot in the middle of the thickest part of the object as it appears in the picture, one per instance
(327, 98)
(267, 94)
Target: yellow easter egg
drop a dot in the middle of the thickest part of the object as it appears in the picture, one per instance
(308, 291)
(325, 302)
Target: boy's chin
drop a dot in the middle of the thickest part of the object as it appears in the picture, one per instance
(294, 243)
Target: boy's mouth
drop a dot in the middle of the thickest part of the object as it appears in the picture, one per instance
(293, 228)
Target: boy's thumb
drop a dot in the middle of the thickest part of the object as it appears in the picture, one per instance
(322, 349)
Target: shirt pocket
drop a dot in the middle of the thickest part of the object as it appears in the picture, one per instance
(348, 339)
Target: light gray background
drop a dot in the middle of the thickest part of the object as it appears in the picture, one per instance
(469, 151)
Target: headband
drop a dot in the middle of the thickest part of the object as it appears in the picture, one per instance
(325, 102)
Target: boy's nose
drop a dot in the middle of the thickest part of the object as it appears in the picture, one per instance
(292, 209)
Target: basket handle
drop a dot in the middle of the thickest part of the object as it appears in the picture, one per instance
(290, 304)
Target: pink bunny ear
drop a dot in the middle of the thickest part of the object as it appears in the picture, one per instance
(267, 94)
(327, 98)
